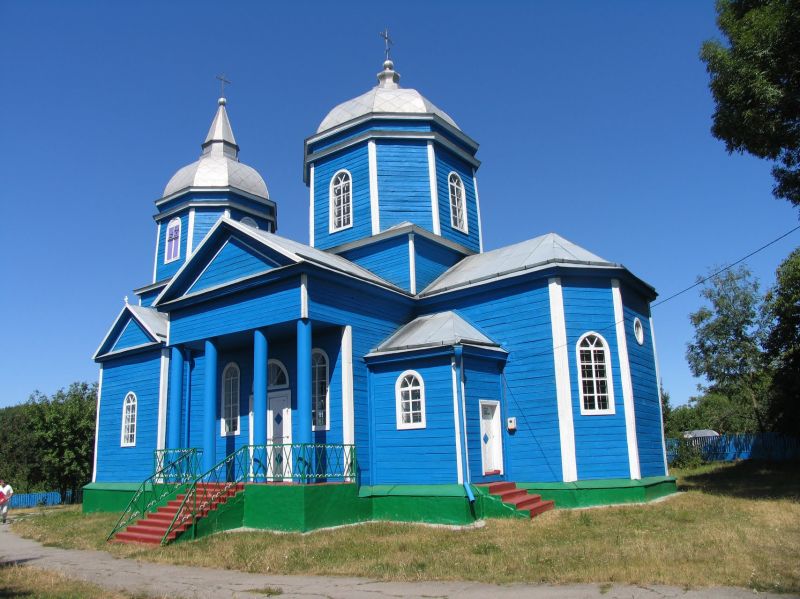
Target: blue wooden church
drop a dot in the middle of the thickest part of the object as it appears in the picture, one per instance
(390, 369)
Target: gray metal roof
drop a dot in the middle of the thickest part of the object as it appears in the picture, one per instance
(387, 97)
(534, 254)
(154, 321)
(219, 164)
(434, 330)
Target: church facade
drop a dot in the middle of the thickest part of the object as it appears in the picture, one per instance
(392, 340)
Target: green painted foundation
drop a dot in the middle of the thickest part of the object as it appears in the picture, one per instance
(588, 493)
(107, 497)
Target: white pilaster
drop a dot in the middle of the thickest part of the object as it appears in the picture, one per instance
(457, 423)
(190, 234)
(97, 423)
(627, 385)
(311, 207)
(373, 187)
(660, 404)
(155, 258)
(412, 264)
(304, 295)
(437, 229)
(163, 389)
(566, 425)
(478, 208)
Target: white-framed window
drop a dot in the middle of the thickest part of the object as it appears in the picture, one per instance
(410, 400)
(320, 400)
(172, 250)
(341, 201)
(595, 387)
(277, 377)
(458, 203)
(638, 331)
(229, 423)
(128, 438)
(249, 222)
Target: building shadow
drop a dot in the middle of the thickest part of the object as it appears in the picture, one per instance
(749, 479)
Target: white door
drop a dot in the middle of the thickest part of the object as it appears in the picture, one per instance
(279, 435)
(491, 437)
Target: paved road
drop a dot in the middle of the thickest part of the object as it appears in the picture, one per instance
(162, 580)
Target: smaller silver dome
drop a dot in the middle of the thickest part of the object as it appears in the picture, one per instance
(387, 97)
(219, 164)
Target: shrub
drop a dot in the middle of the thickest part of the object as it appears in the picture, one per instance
(687, 455)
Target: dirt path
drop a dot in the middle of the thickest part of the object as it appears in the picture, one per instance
(161, 580)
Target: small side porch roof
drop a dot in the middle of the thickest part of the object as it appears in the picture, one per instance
(150, 321)
(434, 330)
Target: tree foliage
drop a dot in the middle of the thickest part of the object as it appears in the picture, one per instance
(755, 82)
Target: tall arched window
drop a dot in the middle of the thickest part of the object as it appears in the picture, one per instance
(129, 420)
(458, 206)
(229, 423)
(277, 378)
(410, 400)
(341, 205)
(173, 249)
(594, 375)
(319, 390)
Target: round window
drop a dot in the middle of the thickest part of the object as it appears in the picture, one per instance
(638, 331)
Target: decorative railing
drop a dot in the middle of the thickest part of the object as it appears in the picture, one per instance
(298, 462)
(166, 482)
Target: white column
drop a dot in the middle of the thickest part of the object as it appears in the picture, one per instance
(155, 258)
(163, 390)
(412, 265)
(660, 404)
(304, 295)
(311, 208)
(457, 423)
(566, 426)
(437, 229)
(373, 187)
(190, 234)
(627, 385)
(348, 413)
(97, 423)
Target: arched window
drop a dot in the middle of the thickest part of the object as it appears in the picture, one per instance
(173, 249)
(594, 375)
(129, 420)
(277, 378)
(249, 222)
(341, 204)
(410, 400)
(458, 206)
(229, 423)
(319, 390)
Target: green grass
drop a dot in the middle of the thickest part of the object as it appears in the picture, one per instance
(736, 525)
(26, 582)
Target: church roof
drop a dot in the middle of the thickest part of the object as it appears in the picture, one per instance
(534, 254)
(434, 330)
(385, 98)
(218, 165)
(153, 322)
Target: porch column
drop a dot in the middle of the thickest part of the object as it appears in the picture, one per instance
(303, 381)
(260, 357)
(175, 398)
(210, 406)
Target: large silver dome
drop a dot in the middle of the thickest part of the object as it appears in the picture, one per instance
(219, 164)
(388, 98)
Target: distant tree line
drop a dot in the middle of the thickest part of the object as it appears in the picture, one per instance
(747, 347)
(47, 443)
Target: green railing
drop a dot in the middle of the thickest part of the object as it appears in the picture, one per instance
(298, 462)
(179, 468)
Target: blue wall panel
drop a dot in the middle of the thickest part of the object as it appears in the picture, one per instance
(148, 297)
(432, 259)
(131, 336)
(140, 374)
(600, 440)
(446, 162)
(233, 261)
(404, 188)
(204, 220)
(356, 161)
(387, 258)
(414, 456)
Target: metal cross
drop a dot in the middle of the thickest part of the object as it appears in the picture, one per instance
(222, 82)
(387, 40)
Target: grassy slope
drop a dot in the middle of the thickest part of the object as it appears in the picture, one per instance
(736, 525)
(23, 581)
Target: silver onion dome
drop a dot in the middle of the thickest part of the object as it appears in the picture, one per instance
(219, 164)
(388, 98)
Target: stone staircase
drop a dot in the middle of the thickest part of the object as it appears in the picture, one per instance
(151, 529)
(519, 498)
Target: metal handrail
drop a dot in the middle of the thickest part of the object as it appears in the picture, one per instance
(164, 482)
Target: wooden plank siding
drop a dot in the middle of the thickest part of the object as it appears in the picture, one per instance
(131, 336)
(139, 374)
(204, 220)
(601, 449)
(432, 260)
(447, 162)
(234, 260)
(483, 381)
(356, 161)
(387, 258)
(404, 185)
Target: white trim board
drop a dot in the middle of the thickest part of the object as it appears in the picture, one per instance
(457, 423)
(163, 389)
(660, 401)
(437, 228)
(374, 205)
(190, 234)
(478, 209)
(97, 423)
(627, 385)
(311, 208)
(412, 265)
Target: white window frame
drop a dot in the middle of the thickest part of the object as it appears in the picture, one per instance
(125, 404)
(278, 364)
(317, 352)
(246, 220)
(332, 228)
(609, 377)
(177, 255)
(462, 205)
(223, 419)
(399, 401)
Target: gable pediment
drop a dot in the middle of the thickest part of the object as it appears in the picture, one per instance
(135, 327)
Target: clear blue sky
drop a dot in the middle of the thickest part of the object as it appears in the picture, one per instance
(593, 120)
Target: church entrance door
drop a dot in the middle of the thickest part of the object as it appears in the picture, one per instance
(491, 437)
(279, 434)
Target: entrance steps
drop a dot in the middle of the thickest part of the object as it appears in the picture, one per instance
(151, 529)
(519, 498)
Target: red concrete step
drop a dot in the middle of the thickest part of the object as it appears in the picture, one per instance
(511, 495)
(542, 506)
(496, 488)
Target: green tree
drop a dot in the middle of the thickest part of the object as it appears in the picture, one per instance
(755, 82)
(727, 349)
(782, 305)
(18, 462)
